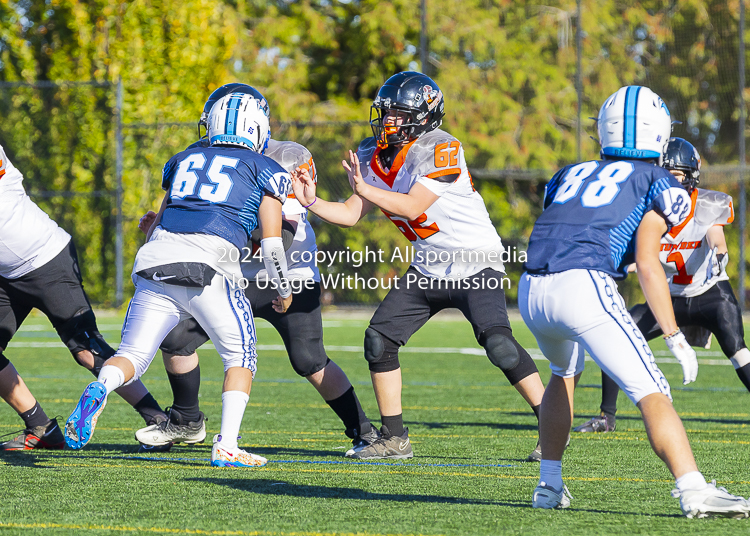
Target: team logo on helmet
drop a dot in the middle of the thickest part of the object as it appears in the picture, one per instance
(431, 96)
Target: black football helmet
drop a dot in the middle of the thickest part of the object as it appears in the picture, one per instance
(682, 155)
(226, 89)
(415, 94)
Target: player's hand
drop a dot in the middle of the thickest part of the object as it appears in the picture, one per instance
(146, 221)
(303, 185)
(281, 305)
(353, 171)
(685, 355)
(717, 264)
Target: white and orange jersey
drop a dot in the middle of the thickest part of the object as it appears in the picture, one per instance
(685, 253)
(29, 238)
(454, 237)
(300, 257)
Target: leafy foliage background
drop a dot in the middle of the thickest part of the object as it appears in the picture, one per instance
(507, 69)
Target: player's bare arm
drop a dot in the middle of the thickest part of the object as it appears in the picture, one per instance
(653, 281)
(651, 274)
(344, 214)
(716, 239)
(409, 206)
(156, 219)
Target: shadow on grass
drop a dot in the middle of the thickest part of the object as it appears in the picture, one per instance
(20, 458)
(182, 455)
(291, 451)
(285, 489)
(29, 458)
(491, 425)
(637, 418)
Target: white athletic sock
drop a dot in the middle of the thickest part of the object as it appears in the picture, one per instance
(692, 481)
(740, 359)
(112, 377)
(233, 405)
(550, 474)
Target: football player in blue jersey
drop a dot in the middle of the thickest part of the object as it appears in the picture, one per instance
(694, 256)
(598, 216)
(215, 197)
(301, 328)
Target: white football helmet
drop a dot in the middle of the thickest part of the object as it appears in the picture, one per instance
(239, 119)
(634, 123)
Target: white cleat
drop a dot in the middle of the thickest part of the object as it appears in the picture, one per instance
(223, 456)
(712, 502)
(547, 497)
(174, 430)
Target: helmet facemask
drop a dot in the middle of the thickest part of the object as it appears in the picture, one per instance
(691, 179)
(681, 155)
(410, 93)
(391, 135)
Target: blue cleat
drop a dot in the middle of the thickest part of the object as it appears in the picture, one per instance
(80, 425)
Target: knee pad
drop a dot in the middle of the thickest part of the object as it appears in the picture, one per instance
(506, 354)
(98, 363)
(3, 361)
(307, 356)
(380, 352)
(80, 333)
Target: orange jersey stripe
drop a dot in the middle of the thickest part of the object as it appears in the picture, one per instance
(693, 198)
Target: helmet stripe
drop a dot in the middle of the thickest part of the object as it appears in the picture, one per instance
(631, 105)
(230, 124)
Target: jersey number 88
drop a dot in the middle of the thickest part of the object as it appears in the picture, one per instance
(599, 192)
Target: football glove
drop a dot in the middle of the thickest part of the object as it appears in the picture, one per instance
(684, 354)
(717, 264)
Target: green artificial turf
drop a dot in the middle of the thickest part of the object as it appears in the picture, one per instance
(470, 430)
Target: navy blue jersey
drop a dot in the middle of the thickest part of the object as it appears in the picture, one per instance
(592, 211)
(218, 190)
(203, 142)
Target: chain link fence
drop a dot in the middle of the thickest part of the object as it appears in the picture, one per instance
(65, 147)
(97, 174)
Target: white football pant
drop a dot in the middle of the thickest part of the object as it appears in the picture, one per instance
(157, 307)
(577, 310)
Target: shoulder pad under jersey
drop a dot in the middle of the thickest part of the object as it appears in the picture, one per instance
(364, 152)
(366, 148)
(203, 142)
(291, 155)
(713, 208)
(3, 161)
(434, 153)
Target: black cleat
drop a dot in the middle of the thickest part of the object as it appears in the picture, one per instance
(602, 423)
(48, 436)
(387, 446)
(361, 441)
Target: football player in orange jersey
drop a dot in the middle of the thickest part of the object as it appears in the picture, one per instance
(416, 174)
(694, 256)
